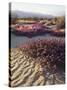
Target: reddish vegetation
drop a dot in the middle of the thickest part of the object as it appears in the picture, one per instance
(53, 51)
(35, 29)
(28, 27)
(30, 30)
(32, 26)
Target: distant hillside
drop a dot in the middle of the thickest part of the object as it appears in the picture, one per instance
(21, 14)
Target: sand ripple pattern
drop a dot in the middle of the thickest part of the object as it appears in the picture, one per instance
(25, 71)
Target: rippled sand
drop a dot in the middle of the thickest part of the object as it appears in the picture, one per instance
(25, 71)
